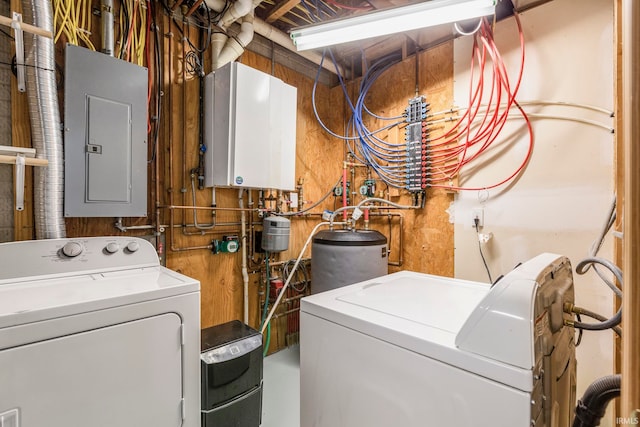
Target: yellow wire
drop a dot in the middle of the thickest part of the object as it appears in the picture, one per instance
(83, 33)
(72, 23)
(86, 22)
(80, 12)
(128, 38)
(74, 19)
(134, 34)
(143, 32)
(118, 48)
(70, 30)
(89, 13)
(63, 23)
(56, 13)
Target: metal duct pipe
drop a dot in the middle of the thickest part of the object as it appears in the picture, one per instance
(106, 12)
(46, 134)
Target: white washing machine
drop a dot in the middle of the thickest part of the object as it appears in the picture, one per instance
(415, 350)
(94, 332)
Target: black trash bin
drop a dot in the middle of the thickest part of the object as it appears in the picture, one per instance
(231, 375)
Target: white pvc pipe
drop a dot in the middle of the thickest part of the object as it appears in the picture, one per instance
(237, 10)
(243, 244)
(234, 46)
(218, 40)
(283, 39)
(217, 5)
(369, 200)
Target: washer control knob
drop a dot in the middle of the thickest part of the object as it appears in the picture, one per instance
(112, 248)
(72, 249)
(133, 246)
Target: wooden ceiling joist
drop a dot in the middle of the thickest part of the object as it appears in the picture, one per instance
(280, 10)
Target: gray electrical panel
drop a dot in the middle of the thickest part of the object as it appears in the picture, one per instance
(105, 136)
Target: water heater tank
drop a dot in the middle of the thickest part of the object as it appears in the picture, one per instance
(344, 257)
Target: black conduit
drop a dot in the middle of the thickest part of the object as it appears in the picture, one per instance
(592, 406)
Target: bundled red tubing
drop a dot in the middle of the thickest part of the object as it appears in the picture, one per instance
(465, 142)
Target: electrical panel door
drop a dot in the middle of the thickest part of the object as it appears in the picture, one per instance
(105, 136)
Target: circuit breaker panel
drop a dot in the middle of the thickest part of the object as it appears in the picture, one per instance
(105, 136)
(249, 129)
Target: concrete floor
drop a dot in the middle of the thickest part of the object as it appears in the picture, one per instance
(281, 394)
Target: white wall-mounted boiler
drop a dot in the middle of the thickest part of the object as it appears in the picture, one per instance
(249, 129)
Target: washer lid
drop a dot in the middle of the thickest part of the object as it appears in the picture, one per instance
(424, 314)
(441, 305)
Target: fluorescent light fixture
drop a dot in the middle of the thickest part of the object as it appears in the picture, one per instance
(390, 21)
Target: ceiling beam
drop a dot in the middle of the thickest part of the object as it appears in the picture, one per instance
(280, 10)
(385, 4)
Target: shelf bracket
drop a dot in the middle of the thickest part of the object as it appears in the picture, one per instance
(16, 24)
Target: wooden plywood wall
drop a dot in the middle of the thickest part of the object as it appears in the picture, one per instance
(427, 234)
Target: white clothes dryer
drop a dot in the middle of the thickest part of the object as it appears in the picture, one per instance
(95, 332)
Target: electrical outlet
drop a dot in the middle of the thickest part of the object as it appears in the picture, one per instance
(477, 213)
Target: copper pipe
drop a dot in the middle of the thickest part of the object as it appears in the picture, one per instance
(344, 190)
(207, 233)
(224, 224)
(354, 192)
(156, 166)
(183, 189)
(193, 8)
(170, 126)
(278, 263)
(175, 248)
(293, 298)
(176, 5)
(207, 208)
(400, 239)
(285, 313)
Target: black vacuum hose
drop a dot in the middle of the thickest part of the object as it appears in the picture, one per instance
(592, 406)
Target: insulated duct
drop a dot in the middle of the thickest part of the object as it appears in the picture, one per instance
(44, 112)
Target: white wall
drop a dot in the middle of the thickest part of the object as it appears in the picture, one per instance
(562, 199)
